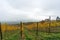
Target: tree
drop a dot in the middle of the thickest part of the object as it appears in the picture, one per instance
(57, 18)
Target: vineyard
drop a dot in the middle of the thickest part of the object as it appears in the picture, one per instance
(31, 31)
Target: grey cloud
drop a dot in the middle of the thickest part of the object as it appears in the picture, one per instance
(23, 10)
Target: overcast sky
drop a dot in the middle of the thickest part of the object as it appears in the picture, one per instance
(28, 10)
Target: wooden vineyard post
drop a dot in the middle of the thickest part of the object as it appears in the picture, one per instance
(37, 32)
(49, 23)
(0, 32)
(21, 30)
(6, 30)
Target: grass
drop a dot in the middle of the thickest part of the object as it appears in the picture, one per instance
(30, 35)
(11, 35)
(42, 35)
(50, 36)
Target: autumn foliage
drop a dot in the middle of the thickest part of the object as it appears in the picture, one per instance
(44, 24)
